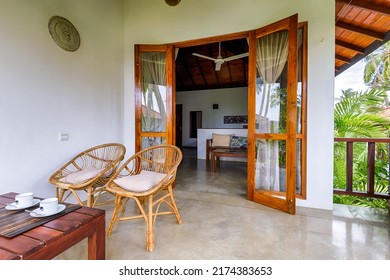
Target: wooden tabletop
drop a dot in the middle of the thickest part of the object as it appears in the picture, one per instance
(54, 237)
(217, 153)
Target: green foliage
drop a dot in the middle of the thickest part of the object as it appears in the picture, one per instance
(377, 69)
(356, 115)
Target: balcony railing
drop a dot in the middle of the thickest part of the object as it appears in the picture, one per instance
(373, 156)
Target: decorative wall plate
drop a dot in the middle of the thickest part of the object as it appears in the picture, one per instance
(172, 2)
(64, 34)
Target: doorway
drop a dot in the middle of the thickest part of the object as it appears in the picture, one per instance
(179, 125)
(161, 79)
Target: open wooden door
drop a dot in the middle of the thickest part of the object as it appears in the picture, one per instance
(154, 96)
(272, 115)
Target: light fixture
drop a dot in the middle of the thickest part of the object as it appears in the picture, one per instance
(172, 2)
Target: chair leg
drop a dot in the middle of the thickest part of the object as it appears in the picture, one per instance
(174, 208)
(76, 196)
(60, 194)
(97, 194)
(150, 226)
(142, 203)
(118, 200)
(90, 197)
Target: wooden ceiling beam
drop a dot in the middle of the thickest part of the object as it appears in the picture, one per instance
(188, 71)
(367, 6)
(349, 46)
(201, 71)
(343, 58)
(360, 30)
(214, 55)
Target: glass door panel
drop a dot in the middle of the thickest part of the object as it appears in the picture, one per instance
(272, 122)
(154, 95)
(299, 167)
(152, 141)
(153, 92)
(271, 166)
(300, 80)
(271, 95)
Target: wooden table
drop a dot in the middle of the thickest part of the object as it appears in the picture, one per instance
(217, 153)
(49, 240)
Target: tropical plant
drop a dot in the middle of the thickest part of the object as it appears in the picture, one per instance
(377, 68)
(357, 115)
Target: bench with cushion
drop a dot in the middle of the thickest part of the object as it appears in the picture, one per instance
(226, 141)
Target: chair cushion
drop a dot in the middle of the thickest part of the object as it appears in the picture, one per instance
(82, 175)
(141, 182)
(221, 140)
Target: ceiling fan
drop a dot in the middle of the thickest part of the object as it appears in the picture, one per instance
(219, 60)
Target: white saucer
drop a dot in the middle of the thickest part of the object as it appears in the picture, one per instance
(37, 212)
(13, 206)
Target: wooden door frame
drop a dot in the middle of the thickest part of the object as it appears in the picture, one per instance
(287, 205)
(233, 36)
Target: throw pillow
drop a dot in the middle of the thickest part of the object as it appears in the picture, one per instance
(239, 142)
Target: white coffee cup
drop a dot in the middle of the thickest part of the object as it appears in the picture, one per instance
(24, 199)
(48, 206)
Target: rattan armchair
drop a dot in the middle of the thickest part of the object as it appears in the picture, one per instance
(89, 172)
(147, 178)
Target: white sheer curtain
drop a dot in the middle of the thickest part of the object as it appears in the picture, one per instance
(271, 53)
(154, 77)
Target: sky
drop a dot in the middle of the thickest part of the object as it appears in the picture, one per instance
(350, 78)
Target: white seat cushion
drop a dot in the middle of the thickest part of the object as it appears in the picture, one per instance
(141, 182)
(82, 175)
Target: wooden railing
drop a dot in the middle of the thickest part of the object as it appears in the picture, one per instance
(371, 158)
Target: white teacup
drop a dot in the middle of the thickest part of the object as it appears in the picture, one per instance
(24, 199)
(48, 205)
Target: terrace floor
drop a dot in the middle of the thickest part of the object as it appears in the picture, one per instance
(219, 223)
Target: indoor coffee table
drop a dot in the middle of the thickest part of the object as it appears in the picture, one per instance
(217, 153)
(48, 240)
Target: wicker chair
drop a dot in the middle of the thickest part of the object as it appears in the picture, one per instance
(89, 171)
(147, 177)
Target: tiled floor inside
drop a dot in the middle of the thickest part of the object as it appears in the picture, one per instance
(219, 223)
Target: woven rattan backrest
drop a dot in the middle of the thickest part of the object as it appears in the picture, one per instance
(102, 155)
(161, 158)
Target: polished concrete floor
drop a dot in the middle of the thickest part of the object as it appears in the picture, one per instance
(220, 224)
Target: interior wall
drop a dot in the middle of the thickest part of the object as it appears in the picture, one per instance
(154, 22)
(231, 102)
(45, 90)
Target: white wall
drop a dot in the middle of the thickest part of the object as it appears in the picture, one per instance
(45, 90)
(231, 102)
(154, 22)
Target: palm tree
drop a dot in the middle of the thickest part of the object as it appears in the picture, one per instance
(357, 115)
(377, 68)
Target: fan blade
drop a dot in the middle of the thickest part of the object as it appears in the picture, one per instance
(236, 56)
(203, 56)
(218, 66)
